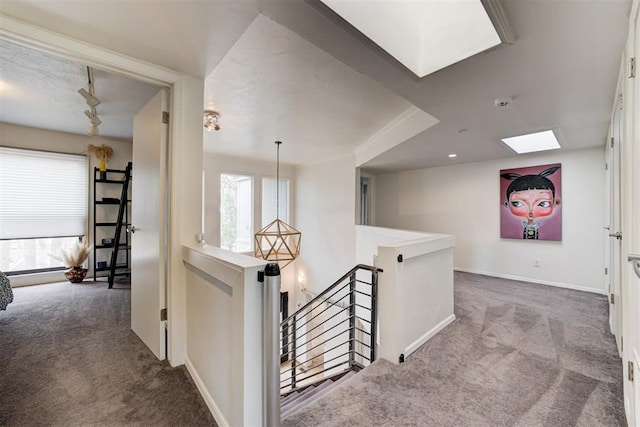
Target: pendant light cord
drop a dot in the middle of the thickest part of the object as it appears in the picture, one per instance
(278, 180)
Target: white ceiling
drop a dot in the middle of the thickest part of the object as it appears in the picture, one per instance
(561, 73)
(275, 85)
(41, 90)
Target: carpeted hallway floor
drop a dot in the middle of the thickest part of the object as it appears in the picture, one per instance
(68, 357)
(519, 354)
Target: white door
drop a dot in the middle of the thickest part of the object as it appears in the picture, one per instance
(148, 218)
(615, 243)
(631, 224)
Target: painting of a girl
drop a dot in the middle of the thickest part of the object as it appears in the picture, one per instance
(530, 199)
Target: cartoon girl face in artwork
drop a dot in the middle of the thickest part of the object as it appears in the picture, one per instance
(531, 204)
(531, 197)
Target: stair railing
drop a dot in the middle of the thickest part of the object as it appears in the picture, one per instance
(332, 333)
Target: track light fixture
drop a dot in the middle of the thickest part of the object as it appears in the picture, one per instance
(211, 120)
(92, 101)
(93, 130)
(93, 118)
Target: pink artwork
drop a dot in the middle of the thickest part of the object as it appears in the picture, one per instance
(530, 203)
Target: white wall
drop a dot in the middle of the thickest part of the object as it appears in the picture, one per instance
(415, 296)
(464, 200)
(60, 142)
(368, 239)
(325, 206)
(224, 307)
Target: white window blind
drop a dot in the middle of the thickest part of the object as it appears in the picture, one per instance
(42, 194)
(269, 200)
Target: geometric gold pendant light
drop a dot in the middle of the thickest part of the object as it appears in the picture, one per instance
(278, 241)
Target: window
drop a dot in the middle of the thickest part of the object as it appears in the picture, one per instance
(236, 212)
(43, 207)
(18, 256)
(269, 212)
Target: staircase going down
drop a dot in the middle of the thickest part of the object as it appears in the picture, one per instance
(328, 339)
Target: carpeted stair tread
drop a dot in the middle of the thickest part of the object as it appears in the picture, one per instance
(300, 395)
(321, 390)
(288, 398)
(318, 390)
(305, 395)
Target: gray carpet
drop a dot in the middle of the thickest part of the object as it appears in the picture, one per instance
(519, 354)
(69, 357)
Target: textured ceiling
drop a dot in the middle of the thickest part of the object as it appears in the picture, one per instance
(275, 85)
(41, 90)
(561, 73)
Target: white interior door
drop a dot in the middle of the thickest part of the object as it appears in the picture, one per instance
(615, 243)
(632, 225)
(148, 295)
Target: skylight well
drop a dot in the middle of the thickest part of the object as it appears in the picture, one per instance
(540, 141)
(424, 35)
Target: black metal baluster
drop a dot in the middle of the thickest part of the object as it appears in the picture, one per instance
(294, 343)
(374, 313)
(352, 318)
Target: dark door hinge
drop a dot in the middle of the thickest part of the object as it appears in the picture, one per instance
(163, 314)
(613, 299)
(630, 370)
(165, 117)
(632, 67)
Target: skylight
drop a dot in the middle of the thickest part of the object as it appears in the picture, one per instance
(424, 35)
(533, 142)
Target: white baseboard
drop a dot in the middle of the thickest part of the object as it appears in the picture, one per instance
(426, 337)
(213, 408)
(530, 280)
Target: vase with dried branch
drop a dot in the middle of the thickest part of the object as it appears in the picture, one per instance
(74, 258)
(103, 153)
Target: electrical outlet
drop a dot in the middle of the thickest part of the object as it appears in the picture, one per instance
(536, 262)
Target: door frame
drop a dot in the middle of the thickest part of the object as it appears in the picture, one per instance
(186, 99)
(629, 202)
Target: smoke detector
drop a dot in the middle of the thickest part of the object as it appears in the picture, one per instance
(502, 102)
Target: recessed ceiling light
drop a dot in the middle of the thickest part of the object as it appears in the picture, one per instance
(452, 156)
(533, 142)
